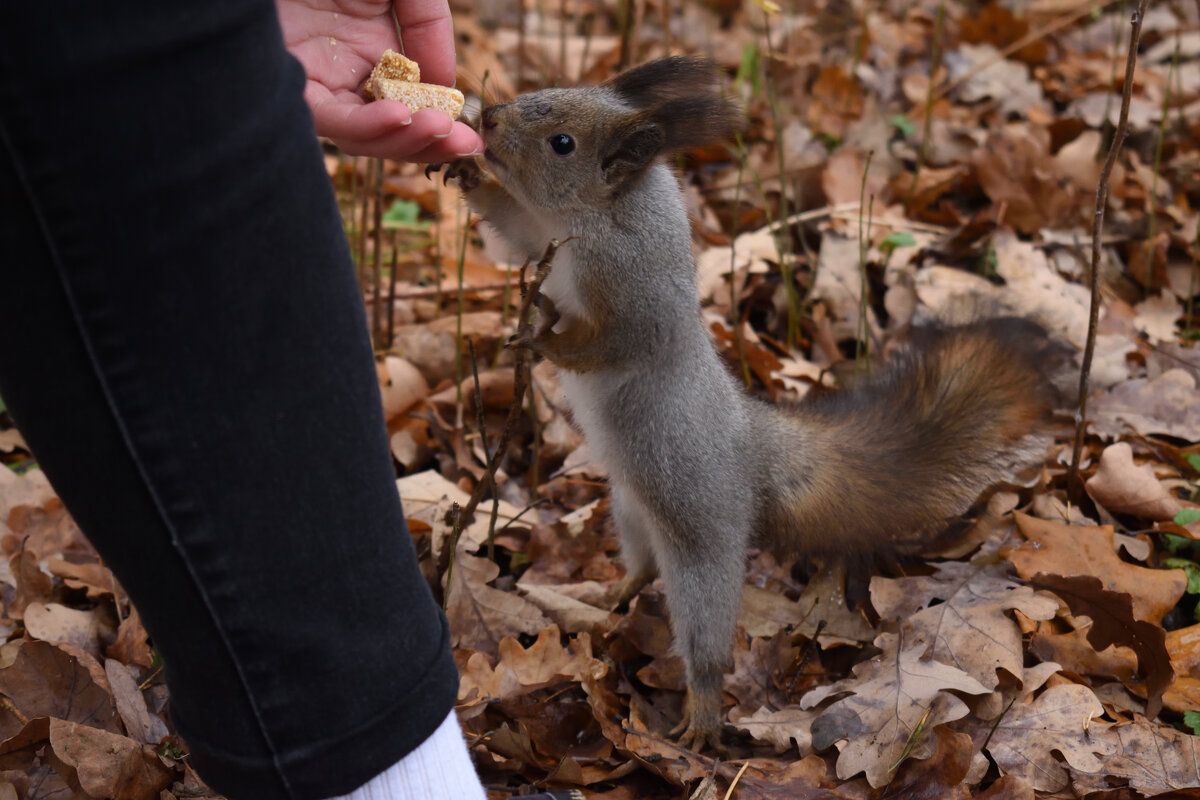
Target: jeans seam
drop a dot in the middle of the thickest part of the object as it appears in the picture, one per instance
(7, 145)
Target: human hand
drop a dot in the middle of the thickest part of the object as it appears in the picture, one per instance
(338, 43)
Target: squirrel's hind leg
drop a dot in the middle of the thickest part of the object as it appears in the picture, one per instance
(637, 534)
(704, 571)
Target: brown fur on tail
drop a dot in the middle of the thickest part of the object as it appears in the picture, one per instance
(885, 467)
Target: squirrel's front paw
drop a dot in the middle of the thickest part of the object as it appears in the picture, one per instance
(525, 339)
(465, 171)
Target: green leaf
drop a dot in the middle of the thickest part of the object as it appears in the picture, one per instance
(897, 239)
(1194, 461)
(1187, 516)
(1190, 567)
(403, 212)
(901, 122)
(1178, 544)
(748, 71)
(3, 407)
(1192, 720)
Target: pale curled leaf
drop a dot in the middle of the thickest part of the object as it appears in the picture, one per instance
(1127, 488)
(785, 728)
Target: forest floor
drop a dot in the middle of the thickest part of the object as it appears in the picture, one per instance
(902, 162)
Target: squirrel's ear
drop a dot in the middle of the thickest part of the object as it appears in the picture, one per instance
(635, 144)
(697, 120)
(661, 80)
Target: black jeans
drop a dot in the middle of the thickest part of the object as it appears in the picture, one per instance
(185, 350)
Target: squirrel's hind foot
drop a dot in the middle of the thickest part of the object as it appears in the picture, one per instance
(700, 727)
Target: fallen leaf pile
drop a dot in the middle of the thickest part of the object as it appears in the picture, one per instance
(944, 158)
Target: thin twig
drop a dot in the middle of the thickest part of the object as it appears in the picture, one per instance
(935, 61)
(459, 517)
(1097, 230)
(391, 306)
(377, 262)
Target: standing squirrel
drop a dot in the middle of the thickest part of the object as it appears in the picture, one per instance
(699, 470)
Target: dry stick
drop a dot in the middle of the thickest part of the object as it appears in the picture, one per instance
(934, 61)
(489, 480)
(391, 314)
(459, 516)
(361, 233)
(377, 262)
(784, 238)
(1097, 228)
(1152, 201)
(862, 347)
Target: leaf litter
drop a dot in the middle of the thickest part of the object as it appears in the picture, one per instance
(1054, 652)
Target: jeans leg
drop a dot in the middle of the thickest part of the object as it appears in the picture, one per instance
(194, 375)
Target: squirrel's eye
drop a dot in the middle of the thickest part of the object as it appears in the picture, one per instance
(562, 144)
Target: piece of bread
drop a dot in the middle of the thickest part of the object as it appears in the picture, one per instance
(398, 78)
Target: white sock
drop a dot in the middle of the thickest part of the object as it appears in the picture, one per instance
(439, 769)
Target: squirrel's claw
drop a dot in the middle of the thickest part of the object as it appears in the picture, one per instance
(700, 726)
(465, 170)
(522, 340)
(696, 740)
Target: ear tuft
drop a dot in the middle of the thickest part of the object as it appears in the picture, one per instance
(697, 120)
(663, 79)
(683, 95)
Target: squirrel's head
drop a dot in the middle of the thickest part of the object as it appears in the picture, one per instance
(562, 148)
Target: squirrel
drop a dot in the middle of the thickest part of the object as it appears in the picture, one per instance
(699, 470)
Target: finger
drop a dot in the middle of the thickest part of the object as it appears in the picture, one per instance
(460, 144)
(428, 36)
(426, 140)
(345, 116)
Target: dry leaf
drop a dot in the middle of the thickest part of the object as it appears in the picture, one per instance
(961, 615)
(53, 622)
(140, 724)
(107, 765)
(785, 728)
(570, 614)
(1126, 488)
(1029, 739)
(1061, 549)
(33, 585)
(401, 385)
(480, 615)
(891, 697)
(1168, 404)
(132, 645)
(1113, 623)
(45, 681)
(1154, 759)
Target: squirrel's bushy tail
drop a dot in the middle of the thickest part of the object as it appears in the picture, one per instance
(886, 466)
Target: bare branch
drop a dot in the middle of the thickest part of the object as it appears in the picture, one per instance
(1097, 229)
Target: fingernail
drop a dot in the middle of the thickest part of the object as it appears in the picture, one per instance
(445, 135)
(474, 152)
(407, 122)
